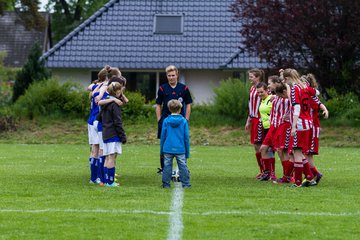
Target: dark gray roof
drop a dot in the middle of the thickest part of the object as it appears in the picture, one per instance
(16, 41)
(121, 34)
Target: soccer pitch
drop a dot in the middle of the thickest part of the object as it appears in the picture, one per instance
(45, 194)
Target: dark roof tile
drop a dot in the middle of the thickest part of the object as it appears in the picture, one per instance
(125, 28)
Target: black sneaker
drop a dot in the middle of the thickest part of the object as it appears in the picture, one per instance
(318, 178)
(308, 183)
(159, 171)
(264, 177)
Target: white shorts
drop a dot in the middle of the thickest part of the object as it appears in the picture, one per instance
(111, 148)
(93, 134)
(101, 142)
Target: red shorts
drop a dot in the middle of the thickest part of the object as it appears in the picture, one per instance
(269, 138)
(256, 131)
(314, 147)
(301, 140)
(282, 136)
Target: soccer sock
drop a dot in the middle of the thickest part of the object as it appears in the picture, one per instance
(314, 171)
(266, 164)
(272, 167)
(283, 163)
(307, 171)
(289, 169)
(298, 167)
(111, 173)
(106, 175)
(100, 170)
(260, 161)
(93, 169)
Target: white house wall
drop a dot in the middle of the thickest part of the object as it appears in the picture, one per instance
(82, 76)
(200, 82)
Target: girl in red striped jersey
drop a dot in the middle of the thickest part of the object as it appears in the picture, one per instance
(301, 125)
(316, 105)
(279, 133)
(253, 123)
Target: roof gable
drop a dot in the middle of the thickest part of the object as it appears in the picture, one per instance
(122, 34)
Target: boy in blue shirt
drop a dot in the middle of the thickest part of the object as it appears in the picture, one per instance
(175, 142)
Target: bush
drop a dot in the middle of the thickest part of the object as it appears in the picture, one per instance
(136, 108)
(231, 98)
(7, 120)
(48, 97)
(338, 104)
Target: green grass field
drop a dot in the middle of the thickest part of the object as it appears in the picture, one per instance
(45, 194)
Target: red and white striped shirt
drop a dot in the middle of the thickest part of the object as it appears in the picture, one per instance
(314, 111)
(280, 111)
(302, 97)
(254, 103)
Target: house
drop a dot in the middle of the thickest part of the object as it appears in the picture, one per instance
(143, 37)
(16, 41)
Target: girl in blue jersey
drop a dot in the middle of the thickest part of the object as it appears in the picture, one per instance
(94, 139)
(113, 133)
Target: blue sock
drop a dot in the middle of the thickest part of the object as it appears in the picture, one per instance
(100, 170)
(111, 173)
(93, 169)
(106, 175)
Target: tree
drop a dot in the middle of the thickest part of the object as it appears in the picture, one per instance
(33, 70)
(322, 37)
(27, 10)
(68, 14)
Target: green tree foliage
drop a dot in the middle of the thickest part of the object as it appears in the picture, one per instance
(322, 37)
(67, 15)
(33, 70)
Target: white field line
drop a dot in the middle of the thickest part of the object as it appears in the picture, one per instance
(176, 224)
(135, 211)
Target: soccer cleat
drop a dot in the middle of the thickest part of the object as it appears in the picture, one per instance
(313, 183)
(281, 180)
(160, 170)
(308, 183)
(98, 181)
(264, 177)
(91, 182)
(101, 184)
(318, 178)
(259, 176)
(114, 184)
(296, 186)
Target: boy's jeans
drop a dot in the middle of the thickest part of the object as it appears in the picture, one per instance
(167, 171)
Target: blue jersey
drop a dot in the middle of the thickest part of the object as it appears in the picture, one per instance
(166, 93)
(99, 127)
(94, 108)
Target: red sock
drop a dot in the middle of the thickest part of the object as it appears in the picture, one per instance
(314, 171)
(284, 163)
(307, 171)
(272, 167)
(267, 164)
(298, 167)
(259, 161)
(289, 169)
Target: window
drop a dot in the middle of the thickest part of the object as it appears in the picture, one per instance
(168, 24)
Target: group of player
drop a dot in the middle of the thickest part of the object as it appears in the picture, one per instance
(284, 118)
(105, 130)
